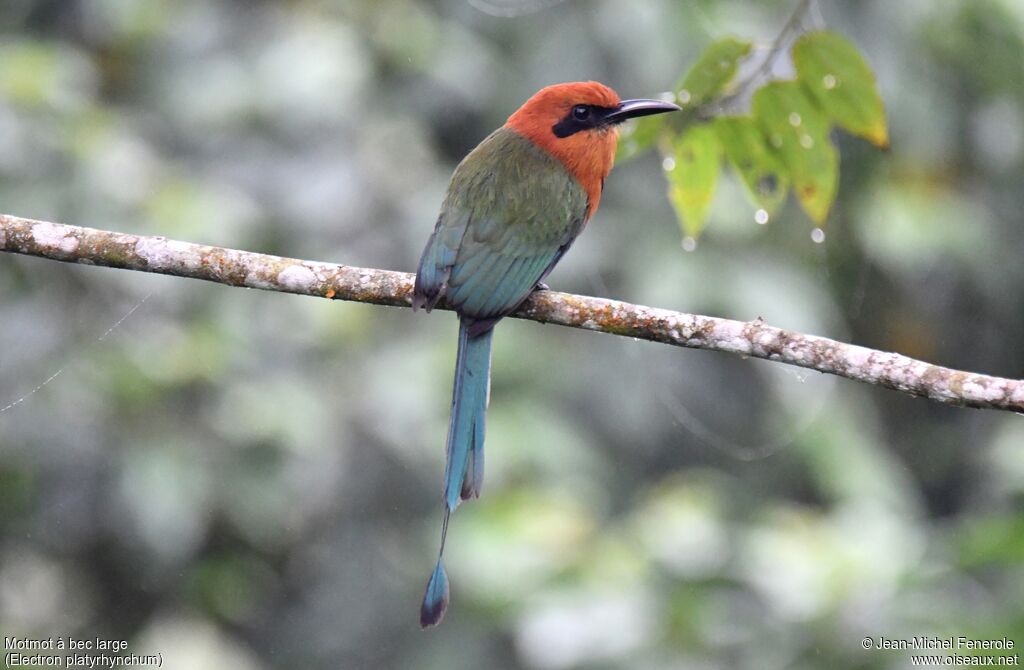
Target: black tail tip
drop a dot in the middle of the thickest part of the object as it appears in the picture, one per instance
(432, 613)
(435, 600)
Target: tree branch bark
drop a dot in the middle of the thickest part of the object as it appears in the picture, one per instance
(381, 287)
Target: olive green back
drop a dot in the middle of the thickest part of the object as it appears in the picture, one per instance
(511, 212)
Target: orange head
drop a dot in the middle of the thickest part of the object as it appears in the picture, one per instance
(577, 123)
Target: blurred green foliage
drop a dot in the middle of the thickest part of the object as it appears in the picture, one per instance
(251, 480)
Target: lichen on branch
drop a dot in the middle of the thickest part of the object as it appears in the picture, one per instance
(233, 267)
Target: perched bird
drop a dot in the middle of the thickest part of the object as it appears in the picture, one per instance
(514, 206)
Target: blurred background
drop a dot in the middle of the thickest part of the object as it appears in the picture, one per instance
(243, 479)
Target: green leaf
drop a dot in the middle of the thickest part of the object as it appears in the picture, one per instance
(760, 167)
(798, 130)
(692, 179)
(712, 72)
(840, 81)
(637, 136)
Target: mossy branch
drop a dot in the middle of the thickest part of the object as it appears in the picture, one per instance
(233, 267)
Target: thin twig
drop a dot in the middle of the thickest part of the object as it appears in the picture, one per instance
(381, 287)
(793, 24)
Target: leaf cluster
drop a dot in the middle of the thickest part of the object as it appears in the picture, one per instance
(782, 144)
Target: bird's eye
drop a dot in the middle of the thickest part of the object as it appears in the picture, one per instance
(581, 112)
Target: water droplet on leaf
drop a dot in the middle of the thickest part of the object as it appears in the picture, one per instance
(794, 119)
(817, 235)
(689, 244)
(668, 164)
(761, 216)
(830, 81)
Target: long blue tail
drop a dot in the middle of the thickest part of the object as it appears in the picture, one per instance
(464, 471)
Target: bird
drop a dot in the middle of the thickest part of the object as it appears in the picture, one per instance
(514, 206)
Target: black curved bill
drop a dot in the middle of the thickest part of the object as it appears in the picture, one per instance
(631, 109)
